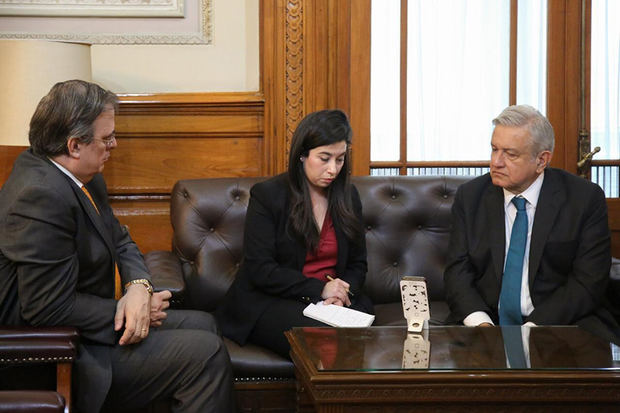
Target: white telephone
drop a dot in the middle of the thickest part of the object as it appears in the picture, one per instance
(415, 303)
(416, 351)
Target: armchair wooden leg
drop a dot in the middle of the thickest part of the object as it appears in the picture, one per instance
(63, 383)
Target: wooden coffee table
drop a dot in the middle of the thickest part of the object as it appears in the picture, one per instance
(385, 369)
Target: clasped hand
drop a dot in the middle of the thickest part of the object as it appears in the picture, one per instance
(137, 311)
(336, 292)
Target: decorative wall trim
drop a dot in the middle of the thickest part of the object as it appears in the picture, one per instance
(87, 8)
(294, 68)
(193, 103)
(204, 35)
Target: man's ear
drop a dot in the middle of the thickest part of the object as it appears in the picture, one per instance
(542, 160)
(73, 146)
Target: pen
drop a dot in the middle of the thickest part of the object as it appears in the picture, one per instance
(330, 278)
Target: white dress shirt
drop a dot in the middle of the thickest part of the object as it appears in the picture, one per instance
(66, 172)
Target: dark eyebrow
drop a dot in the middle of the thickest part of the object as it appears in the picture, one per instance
(332, 154)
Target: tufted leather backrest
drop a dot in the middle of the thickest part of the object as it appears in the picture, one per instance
(207, 218)
(407, 223)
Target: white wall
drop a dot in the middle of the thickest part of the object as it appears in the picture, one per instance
(231, 63)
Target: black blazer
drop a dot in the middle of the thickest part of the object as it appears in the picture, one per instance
(273, 260)
(57, 260)
(569, 258)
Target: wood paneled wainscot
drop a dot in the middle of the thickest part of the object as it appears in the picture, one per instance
(167, 137)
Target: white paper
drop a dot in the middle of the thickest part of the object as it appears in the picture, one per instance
(338, 316)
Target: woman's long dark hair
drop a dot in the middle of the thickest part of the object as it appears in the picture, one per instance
(320, 128)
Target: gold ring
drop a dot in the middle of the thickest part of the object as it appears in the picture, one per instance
(144, 329)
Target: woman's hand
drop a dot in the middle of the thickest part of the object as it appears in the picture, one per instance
(336, 290)
(334, 301)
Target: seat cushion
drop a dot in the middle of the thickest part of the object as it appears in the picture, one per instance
(252, 362)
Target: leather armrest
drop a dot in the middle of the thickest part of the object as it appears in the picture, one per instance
(24, 345)
(20, 332)
(31, 401)
(166, 273)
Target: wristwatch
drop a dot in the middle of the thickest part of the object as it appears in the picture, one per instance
(143, 281)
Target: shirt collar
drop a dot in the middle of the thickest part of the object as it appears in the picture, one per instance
(530, 194)
(66, 172)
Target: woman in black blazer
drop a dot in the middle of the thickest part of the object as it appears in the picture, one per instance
(301, 227)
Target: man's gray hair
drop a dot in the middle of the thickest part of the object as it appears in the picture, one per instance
(537, 125)
(68, 110)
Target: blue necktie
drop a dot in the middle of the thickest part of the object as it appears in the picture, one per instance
(510, 295)
(513, 346)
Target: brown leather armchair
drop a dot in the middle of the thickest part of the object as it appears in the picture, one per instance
(32, 359)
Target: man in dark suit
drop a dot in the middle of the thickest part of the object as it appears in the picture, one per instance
(65, 259)
(562, 272)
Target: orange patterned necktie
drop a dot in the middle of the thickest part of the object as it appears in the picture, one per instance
(117, 276)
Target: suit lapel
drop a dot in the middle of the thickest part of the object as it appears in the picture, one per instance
(95, 218)
(552, 197)
(494, 205)
(92, 214)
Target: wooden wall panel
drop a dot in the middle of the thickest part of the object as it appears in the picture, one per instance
(8, 154)
(313, 57)
(153, 165)
(197, 125)
(148, 221)
(360, 86)
(613, 204)
(167, 137)
(563, 80)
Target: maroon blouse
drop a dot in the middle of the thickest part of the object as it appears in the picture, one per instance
(322, 262)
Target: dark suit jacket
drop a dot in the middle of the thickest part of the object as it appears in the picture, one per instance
(57, 260)
(569, 258)
(273, 260)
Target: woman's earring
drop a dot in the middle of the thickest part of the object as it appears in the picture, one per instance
(302, 158)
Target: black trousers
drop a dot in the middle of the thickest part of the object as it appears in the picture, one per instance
(285, 314)
(184, 360)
